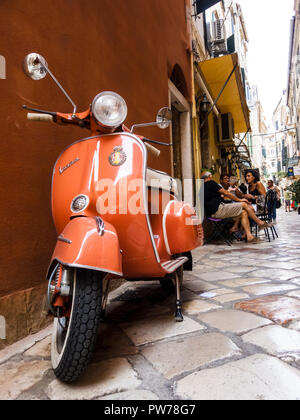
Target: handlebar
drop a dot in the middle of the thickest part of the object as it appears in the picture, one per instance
(50, 118)
(153, 150)
(39, 117)
(82, 120)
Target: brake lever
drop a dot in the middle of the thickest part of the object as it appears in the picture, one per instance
(157, 142)
(40, 111)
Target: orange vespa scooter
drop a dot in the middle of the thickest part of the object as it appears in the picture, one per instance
(115, 218)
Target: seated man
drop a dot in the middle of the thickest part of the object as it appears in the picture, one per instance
(216, 208)
(225, 184)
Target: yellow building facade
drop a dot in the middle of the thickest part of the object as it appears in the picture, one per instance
(220, 110)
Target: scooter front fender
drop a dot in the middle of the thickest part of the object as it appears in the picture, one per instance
(88, 243)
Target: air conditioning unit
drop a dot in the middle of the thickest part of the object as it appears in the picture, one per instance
(218, 40)
(218, 31)
(225, 127)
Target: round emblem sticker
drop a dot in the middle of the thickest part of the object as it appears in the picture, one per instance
(117, 157)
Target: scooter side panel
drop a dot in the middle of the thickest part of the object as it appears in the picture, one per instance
(157, 202)
(116, 191)
(182, 231)
(129, 212)
(80, 245)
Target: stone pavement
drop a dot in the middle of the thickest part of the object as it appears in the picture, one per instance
(240, 338)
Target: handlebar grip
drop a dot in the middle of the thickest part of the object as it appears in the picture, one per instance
(151, 149)
(40, 117)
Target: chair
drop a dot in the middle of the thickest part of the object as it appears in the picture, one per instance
(264, 216)
(220, 230)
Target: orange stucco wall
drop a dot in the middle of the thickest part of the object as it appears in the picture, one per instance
(128, 46)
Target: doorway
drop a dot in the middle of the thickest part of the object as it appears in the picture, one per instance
(176, 141)
(181, 152)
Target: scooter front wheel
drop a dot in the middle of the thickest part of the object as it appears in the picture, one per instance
(74, 335)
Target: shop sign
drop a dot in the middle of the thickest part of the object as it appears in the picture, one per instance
(296, 170)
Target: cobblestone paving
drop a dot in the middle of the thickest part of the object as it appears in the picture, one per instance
(240, 338)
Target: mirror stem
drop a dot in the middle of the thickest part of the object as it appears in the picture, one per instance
(142, 125)
(60, 87)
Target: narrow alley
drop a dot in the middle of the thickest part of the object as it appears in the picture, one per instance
(240, 338)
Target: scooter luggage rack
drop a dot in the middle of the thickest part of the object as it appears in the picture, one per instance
(171, 266)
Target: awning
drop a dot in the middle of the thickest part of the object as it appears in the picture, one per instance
(202, 5)
(233, 99)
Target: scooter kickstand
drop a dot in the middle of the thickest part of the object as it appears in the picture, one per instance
(178, 306)
(178, 312)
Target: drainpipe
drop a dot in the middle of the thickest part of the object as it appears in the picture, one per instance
(292, 33)
(195, 131)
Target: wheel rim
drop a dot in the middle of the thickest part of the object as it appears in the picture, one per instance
(61, 333)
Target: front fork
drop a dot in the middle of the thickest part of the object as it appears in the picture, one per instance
(60, 290)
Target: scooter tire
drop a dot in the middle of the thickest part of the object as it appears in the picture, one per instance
(71, 357)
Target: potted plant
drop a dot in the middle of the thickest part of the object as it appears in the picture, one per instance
(295, 189)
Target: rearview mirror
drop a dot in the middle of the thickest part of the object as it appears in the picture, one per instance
(35, 66)
(164, 118)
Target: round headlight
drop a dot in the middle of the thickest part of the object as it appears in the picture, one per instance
(79, 203)
(109, 109)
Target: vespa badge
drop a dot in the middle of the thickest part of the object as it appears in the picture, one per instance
(117, 157)
(62, 170)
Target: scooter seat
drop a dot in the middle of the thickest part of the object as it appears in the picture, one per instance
(158, 179)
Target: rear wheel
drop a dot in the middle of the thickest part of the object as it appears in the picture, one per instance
(75, 333)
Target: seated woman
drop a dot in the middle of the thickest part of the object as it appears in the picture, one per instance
(255, 187)
(234, 190)
(226, 184)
